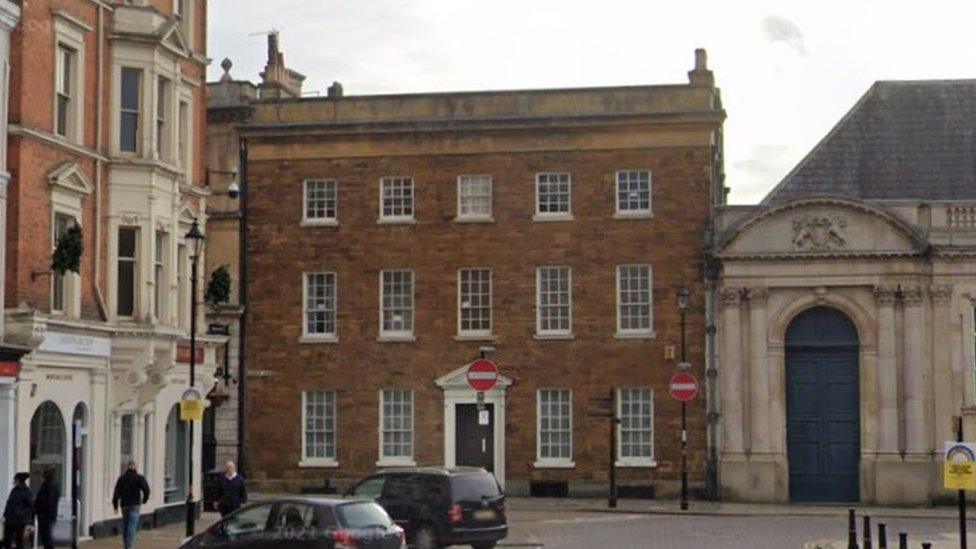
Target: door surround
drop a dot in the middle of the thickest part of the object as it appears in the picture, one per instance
(457, 391)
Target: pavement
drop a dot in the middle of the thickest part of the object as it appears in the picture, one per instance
(588, 523)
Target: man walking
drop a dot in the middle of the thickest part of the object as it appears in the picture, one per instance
(18, 514)
(46, 508)
(131, 491)
(231, 492)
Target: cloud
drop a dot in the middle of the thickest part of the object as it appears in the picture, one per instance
(781, 29)
(761, 169)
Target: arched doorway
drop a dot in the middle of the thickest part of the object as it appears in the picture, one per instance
(175, 466)
(48, 444)
(823, 407)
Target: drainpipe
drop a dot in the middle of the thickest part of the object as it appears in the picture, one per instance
(99, 112)
(242, 303)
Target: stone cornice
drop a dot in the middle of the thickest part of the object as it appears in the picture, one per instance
(832, 255)
(9, 15)
(51, 139)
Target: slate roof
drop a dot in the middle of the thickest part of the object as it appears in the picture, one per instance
(913, 140)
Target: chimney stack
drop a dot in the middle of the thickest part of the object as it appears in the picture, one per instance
(277, 81)
(700, 76)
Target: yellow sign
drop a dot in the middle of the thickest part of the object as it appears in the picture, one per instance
(959, 469)
(191, 406)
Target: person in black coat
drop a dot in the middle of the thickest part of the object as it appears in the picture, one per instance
(231, 491)
(46, 508)
(131, 492)
(18, 513)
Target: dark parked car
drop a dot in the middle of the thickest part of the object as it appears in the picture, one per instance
(438, 506)
(303, 523)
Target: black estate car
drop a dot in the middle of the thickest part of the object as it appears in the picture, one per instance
(440, 506)
(303, 523)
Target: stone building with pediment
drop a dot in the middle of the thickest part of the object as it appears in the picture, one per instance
(845, 308)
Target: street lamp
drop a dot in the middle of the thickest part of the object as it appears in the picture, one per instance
(195, 239)
(684, 304)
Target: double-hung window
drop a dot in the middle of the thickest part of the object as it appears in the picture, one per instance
(634, 193)
(66, 67)
(554, 301)
(159, 276)
(162, 118)
(320, 305)
(320, 201)
(396, 199)
(129, 110)
(396, 426)
(474, 197)
(396, 304)
(635, 409)
(555, 428)
(553, 196)
(319, 428)
(126, 272)
(183, 138)
(474, 302)
(634, 307)
(182, 293)
(60, 282)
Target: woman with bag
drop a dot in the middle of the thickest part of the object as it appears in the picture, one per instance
(18, 514)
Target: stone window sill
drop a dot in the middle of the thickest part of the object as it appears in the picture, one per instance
(553, 337)
(318, 462)
(635, 335)
(314, 339)
(396, 462)
(326, 222)
(398, 338)
(554, 464)
(552, 217)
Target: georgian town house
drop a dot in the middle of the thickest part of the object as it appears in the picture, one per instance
(847, 318)
(390, 240)
(107, 118)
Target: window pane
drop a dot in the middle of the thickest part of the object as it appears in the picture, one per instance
(126, 272)
(130, 89)
(320, 199)
(319, 428)
(554, 299)
(397, 301)
(474, 307)
(320, 303)
(397, 423)
(552, 193)
(634, 298)
(474, 195)
(636, 423)
(397, 197)
(634, 191)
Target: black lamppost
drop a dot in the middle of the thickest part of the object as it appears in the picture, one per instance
(195, 238)
(684, 299)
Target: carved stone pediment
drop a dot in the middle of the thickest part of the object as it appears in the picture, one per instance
(819, 233)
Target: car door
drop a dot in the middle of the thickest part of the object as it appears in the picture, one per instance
(248, 528)
(397, 500)
(297, 525)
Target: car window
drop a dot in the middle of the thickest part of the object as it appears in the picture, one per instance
(296, 521)
(402, 487)
(362, 514)
(433, 490)
(370, 488)
(474, 487)
(250, 521)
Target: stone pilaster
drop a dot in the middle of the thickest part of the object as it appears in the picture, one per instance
(758, 372)
(945, 402)
(917, 439)
(888, 426)
(730, 373)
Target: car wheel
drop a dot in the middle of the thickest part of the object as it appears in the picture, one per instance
(425, 538)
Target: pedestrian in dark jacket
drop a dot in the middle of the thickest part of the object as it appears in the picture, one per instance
(231, 491)
(18, 513)
(131, 491)
(46, 508)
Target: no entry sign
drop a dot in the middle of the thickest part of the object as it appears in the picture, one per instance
(684, 387)
(482, 375)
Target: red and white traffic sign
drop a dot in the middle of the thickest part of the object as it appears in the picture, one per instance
(684, 386)
(482, 375)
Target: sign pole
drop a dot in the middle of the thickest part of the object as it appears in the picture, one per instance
(612, 500)
(962, 496)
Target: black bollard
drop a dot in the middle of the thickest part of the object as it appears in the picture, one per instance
(882, 535)
(867, 532)
(927, 545)
(851, 530)
(902, 540)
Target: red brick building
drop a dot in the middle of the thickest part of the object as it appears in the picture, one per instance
(390, 238)
(107, 120)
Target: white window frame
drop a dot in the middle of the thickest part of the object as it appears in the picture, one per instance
(475, 217)
(404, 461)
(553, 216)
(551, 462)
(121, 111)
(136, 261)
(162, 118)
(635, 332)
(638, 213)
(326, 461)
(161, 294)
(69, 33)
(326, 219)
(324, 337)
(475, 334)
(399, 335)
(566, 333)
(398, 218)
(69, 280)
(633, 461)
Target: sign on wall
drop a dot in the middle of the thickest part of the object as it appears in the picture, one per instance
(191, 406)
(959, 469)
(183, 354)
(74, 344)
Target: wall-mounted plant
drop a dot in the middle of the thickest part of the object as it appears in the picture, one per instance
(67, 253)
(218, 289)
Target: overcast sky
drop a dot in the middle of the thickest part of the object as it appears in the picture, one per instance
(788, 69)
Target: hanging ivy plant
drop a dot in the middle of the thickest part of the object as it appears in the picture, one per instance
(218, 289)
(67, 254)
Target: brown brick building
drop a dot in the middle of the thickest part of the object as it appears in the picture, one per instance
(390, 238)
